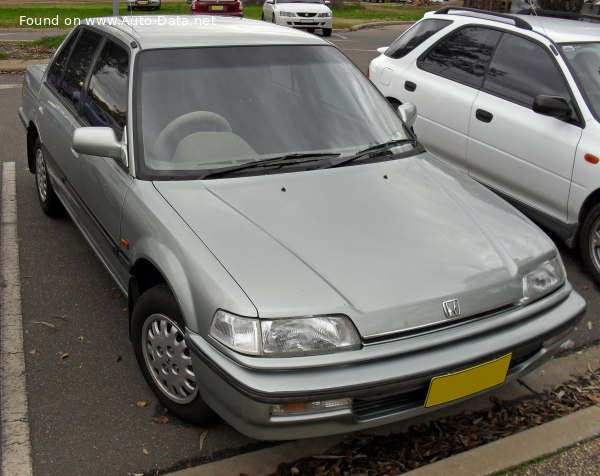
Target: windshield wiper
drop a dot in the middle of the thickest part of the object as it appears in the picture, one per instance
(374, 151)
(281, 161)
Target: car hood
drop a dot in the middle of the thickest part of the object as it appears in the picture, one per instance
(386, 243)
(303, 7)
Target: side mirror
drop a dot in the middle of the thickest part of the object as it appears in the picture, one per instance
(99, 141)
(408, 114)
(553, 106)
(382, 50)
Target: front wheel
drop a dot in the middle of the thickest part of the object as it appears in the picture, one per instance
(327, 31)
(590, 243)
(164, 357)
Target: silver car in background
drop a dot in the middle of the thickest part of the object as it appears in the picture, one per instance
(294, 259)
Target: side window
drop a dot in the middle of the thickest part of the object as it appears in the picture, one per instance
(78, 66)
(106, 100)
(58, 65)
(413, 37)
(521, 70)
(464, 56)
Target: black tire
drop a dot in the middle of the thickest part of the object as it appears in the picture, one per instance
(157, 309)
(262, 17)
(49, 202)
(327, 32)
(310, 30)
(589, 243)
(273, 20)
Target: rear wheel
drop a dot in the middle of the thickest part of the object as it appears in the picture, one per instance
(589, 243)
(49, 202)
(157, 330)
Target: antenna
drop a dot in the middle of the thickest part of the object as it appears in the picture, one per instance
(131, 18)
(533, 4)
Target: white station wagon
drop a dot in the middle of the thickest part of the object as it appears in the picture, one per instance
(513, 101)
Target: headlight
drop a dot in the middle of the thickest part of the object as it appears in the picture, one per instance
(324, 15)
(543, 280)
(285, 337)
(287, 14)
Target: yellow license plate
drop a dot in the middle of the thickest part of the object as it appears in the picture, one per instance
(142, 3)
(216, 8)
(446, 388)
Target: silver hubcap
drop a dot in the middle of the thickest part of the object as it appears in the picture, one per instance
(595, 244)
(168, 359)
(40, 172)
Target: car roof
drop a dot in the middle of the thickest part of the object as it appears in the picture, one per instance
(562, 30)
(181, 31)
(559, 30)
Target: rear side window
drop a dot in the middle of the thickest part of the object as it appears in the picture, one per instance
(58, 65)
(106, 101)
(78, 66)
(415, 36)
(463, 56)
(522, 69)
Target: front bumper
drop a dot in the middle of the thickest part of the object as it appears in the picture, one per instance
(383, 390)
(298, 22)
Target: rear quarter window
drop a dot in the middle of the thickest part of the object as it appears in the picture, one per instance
(414, 36)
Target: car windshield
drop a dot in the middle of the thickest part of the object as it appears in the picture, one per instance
(584, 58)
(202, 109)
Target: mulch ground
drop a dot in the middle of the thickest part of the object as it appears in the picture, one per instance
(430, 442)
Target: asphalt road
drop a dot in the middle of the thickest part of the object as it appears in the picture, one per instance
(83, 381)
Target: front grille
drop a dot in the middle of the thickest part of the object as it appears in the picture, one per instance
(436, 326)
(306, 15)
(414, 393)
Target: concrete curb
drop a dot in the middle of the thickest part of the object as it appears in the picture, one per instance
(501, 454)
(520, 447)
(9, 66)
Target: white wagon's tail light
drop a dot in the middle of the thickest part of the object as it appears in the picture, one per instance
(285, 337)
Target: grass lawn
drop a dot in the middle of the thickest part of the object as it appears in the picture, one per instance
(64, 14)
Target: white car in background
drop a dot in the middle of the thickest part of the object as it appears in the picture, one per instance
(514, 102)
(306, 14)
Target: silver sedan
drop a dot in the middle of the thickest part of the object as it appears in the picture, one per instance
(294, 260)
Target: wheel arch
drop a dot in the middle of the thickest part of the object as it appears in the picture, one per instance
(393, 101)
(32, 136)
(144, 275)
(588, 204)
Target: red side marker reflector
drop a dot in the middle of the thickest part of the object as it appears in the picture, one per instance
(592, 159)
(124, 244)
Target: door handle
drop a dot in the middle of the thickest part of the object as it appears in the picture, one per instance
(410, 86)
(484, 116)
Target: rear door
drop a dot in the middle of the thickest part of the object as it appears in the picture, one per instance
(59, 101)
(443, 83)
(525, 155)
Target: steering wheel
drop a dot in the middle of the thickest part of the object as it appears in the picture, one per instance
(182, 126)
